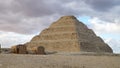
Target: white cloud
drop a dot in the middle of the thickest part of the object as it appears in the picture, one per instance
(109, 31)
(25, 14)
(105, 27)
(8, 39)
(115, 44)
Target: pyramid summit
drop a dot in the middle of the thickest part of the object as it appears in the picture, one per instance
(69, 35)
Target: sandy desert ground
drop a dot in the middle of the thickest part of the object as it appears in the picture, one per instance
(58, 61)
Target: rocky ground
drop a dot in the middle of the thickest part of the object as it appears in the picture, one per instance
(58, 61)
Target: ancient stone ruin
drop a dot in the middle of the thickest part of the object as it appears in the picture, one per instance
(19, 49)
(69, 35)
(0, 48)
(38, 50)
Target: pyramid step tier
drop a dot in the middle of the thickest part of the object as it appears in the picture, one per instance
(66, 35)
(56, 36)
(57, 45)
(59, 29)
(94, 47)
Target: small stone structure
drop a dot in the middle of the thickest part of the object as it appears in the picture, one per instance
(19, 49)
(69, 35)
(0, 48)
(38, 50)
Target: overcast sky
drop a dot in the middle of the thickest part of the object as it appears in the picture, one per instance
(20, 20)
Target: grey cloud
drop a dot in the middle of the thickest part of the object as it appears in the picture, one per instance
(102, 5)
(12, 16)
(114, 44)
(31, 16)
(40, 7)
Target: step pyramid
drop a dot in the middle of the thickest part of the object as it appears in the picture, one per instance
(69, 35)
